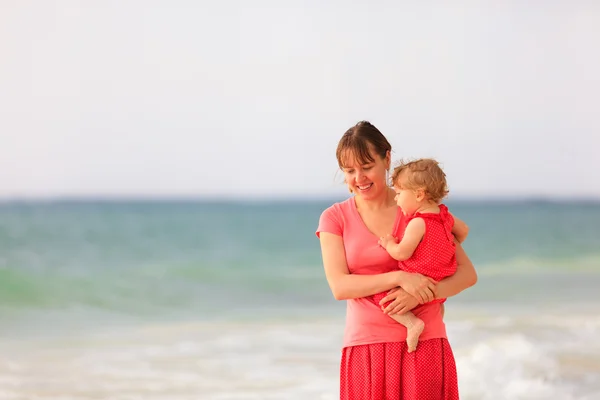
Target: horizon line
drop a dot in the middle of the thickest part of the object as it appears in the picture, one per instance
(274, 199)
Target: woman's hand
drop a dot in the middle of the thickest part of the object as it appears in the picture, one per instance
(401, 302)
(419, 286)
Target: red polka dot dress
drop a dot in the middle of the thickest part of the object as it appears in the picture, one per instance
(435, 256)
(386, 371)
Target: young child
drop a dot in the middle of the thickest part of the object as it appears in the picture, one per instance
(427, 246)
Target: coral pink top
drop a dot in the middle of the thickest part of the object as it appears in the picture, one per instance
(365, 322)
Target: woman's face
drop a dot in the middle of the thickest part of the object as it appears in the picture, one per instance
(367, 178)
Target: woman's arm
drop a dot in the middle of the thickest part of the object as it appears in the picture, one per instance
(460, 230)
(464, 277)
(345, 285)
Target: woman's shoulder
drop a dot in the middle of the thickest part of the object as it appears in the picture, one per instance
(333, 218)
(339, 208)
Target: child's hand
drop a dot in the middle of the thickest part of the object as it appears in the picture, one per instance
(384, 241)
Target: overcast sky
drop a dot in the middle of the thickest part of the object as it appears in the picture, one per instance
(249, 98)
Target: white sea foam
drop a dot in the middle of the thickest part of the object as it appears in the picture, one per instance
(498, 358)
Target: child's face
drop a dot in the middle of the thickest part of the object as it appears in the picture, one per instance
(407, 199)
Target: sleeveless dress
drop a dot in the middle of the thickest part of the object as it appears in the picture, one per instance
(435, 256)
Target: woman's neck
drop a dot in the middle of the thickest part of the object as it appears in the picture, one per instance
(385, 200)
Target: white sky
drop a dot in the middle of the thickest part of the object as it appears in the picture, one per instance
(236, 98)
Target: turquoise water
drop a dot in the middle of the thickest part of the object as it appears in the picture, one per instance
(224, 280)
(174, 258)
(162, 259)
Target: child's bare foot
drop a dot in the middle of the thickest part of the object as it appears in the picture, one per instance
(412, 334)
(414, 328)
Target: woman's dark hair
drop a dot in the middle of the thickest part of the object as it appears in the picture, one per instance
(360, 140)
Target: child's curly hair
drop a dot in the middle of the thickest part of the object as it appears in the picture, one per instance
(424, 173)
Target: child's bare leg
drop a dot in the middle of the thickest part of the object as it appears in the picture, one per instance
(414, 328)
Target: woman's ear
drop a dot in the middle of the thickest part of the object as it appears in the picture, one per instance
(388, 160)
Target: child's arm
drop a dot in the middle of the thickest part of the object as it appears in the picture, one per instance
(460, 230)
(412, 237)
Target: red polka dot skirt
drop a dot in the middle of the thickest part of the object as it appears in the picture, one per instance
(386, 371)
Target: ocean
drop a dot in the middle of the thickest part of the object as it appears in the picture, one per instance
(226, 300)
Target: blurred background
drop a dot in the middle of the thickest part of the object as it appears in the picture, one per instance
(163, 166)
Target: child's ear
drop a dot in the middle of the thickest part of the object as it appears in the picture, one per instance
(420, 194)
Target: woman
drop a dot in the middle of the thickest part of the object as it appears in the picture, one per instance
(375, 362)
